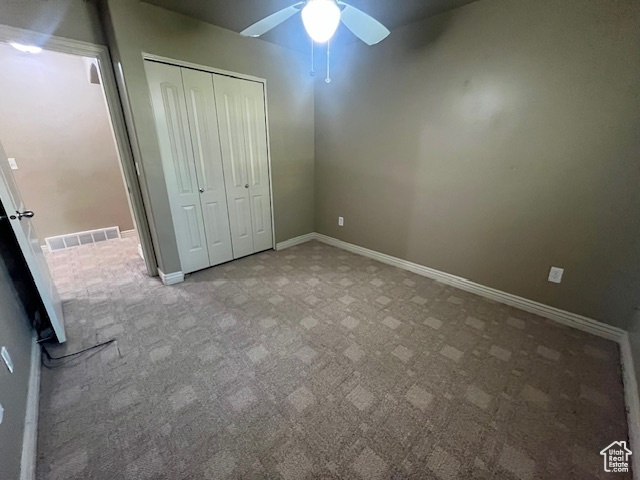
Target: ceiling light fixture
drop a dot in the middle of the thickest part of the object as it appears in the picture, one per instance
(321, 19)
(26, 48)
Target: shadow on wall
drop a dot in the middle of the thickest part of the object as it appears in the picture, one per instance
(493, 142)
(11, 255)
(45, 18)
(416, 40)
(346, 110)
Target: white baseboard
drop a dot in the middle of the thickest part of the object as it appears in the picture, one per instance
(632, 398)
(292, 242)
(171, 278)
(632, 401)
(128, 233)
(30, 436)
(561, 316)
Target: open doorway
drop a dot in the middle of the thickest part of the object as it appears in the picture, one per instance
(56, 131)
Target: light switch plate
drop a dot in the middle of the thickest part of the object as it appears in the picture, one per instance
(4, 353)
(555, 274)
(341, 221)
(13, 164)
(1, 413)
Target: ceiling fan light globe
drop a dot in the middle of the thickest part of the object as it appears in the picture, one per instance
(321, 19)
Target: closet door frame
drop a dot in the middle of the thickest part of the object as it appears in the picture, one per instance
(263, 81)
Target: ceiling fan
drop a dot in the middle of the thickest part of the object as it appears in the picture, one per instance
(321, 19)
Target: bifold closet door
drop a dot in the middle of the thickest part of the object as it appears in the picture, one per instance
(242, 123)
(203, 123)
(176, 152)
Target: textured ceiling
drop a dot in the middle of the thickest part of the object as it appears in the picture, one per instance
(239, 14)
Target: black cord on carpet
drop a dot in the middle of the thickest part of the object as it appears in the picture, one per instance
(51, 358)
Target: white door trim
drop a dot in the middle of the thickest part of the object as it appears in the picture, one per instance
(219, 71)
(116, 114)
(273, 211)
(194, 66)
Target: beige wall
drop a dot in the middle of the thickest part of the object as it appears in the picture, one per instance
(55, 123)
(136, 27)
(74, 19)
(492, 142)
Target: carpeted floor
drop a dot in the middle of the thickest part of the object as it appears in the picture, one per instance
(315, 363)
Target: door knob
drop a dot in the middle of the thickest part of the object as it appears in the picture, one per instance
(201, 190)
(246, 186)
(26, 213)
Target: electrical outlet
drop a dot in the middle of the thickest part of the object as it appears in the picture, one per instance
(341, 221)
(7, 359)
(555, 274)
(13, 164)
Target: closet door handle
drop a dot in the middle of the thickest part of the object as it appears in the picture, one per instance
(246, 186)
(201, 190)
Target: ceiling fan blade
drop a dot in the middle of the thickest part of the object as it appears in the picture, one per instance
(363, 26)
(273, 20)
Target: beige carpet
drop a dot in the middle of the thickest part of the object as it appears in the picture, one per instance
(315, 363)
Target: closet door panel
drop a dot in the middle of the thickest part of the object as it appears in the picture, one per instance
(255, 133)
(229, 107)
(243, 210)
(172, 126)
(205, 140)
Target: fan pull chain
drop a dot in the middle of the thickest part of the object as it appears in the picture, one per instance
(313, 69)
(328, 79)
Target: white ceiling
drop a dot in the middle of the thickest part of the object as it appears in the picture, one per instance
(236, 15)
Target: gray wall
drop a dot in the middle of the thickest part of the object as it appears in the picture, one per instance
(16, 336)
(492, 142)
(75, 19)
(55, 122)
(135, 28)
(634, 342)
